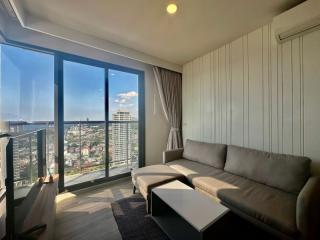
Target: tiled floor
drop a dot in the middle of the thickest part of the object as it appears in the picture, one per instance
(87, 214)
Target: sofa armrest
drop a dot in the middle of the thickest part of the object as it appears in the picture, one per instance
(308, 209)
(171, 155)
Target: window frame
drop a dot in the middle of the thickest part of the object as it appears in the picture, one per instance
(59, 57)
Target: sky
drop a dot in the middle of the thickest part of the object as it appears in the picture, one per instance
(27, 88)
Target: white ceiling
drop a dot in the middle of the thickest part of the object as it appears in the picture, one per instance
(144, 25)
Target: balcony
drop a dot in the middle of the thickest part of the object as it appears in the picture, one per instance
(84, 150)
(32, 157)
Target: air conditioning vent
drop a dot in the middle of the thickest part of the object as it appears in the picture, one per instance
(297, 21)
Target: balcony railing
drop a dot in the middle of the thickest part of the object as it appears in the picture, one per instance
(84, 148)
(26, 159)
(85, 153)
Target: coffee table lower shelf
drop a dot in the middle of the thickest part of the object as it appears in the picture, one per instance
(177, 227)
(172, 223)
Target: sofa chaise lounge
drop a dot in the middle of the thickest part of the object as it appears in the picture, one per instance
(274, 191)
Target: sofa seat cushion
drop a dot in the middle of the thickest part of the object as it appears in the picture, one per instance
(271, 206)
(213, 182)
(152, 176)
(286, 172)
(212, 154)
(191, 169)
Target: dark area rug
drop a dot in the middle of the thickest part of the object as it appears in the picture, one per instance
(134, 223)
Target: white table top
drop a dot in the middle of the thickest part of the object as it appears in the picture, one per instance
(196, 208)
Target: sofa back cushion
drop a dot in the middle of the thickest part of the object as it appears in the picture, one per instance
(286, 172)
(212, 154)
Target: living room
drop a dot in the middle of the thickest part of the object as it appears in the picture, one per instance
(159, 119)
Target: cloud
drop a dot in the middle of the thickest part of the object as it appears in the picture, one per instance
(125, 97)
(128, 95)
(120, 100)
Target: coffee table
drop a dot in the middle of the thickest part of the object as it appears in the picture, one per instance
(183, 213)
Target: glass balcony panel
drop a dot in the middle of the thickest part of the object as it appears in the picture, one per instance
(84, 152)
(50, 157)
(84, 126)
(25, 164)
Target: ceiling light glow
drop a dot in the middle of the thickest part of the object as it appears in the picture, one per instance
(172, 8)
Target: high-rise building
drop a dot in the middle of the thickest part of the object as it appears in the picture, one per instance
(17, 168)
(16, 161)
(121, 135)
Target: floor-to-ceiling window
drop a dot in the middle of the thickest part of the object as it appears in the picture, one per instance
(26, 105)
(102, 111)
(123, 121)
(84, 122)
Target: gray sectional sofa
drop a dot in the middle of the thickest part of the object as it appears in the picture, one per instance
(274, 191)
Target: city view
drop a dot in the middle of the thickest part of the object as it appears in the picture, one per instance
(85, 153)
(84, 149)
(27, 105)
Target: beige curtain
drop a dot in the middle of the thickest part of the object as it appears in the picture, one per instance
(169, 86)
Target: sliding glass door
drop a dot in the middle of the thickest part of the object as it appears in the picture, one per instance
(84, 122)
(124, 121)
(102, 129)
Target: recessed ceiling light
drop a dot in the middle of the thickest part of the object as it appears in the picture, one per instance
(172, 8)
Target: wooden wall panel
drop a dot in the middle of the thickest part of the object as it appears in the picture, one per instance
(206, 103)
(213, 78)
(311, 88)
(218, 97)
(237, 95)
(223, 93)
(266, 116)
(256, 93)
(246, 70)
(287, 97)
(296, 100)
(255, 90)
(274, 103)
(196, 87)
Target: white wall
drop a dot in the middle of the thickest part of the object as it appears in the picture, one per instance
(157, 128)
(255, 93)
